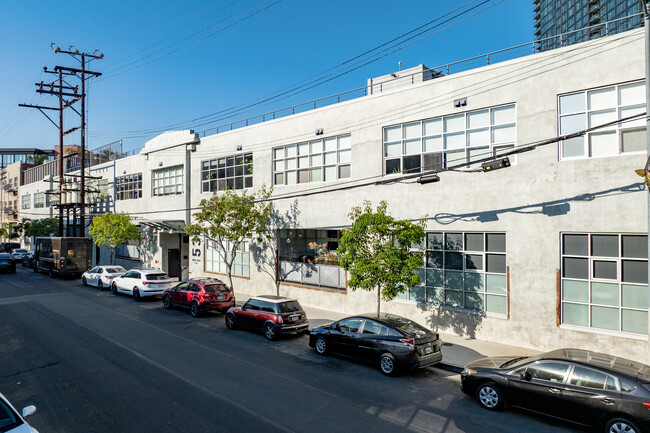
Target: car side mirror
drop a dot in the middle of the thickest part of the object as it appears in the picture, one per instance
(243, 308)
(29, 410)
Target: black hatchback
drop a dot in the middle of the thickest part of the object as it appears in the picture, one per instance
(6, 263)
(391, 341)
(589, 388)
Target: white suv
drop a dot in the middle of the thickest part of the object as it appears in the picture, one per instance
(142, 283)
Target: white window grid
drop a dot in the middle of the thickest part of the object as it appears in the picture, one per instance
(439, 142)
(592, 279)
(228, 172)
(129, 187)
(321, 160)
(570, 120)
(438, 294)
(26, 201)
(215, 263)
(39, 200)
(167, 181)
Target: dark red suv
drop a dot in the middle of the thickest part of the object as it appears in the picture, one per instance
(199, 294)
(271, 314)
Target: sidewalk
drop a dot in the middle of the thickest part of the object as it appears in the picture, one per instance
(456, 351)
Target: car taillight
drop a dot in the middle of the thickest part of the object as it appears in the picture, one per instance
(144, 283)
(280, 319)
(647, 405)
(410, 342)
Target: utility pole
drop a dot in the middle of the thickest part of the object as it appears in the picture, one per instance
(61, 89)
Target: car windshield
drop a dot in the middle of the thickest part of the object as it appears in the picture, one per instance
(116, 270)
(514, 363)
(215, 288)
(405, 325)
(20, 251)
(8, 419)
(155, 277)
(289, 307)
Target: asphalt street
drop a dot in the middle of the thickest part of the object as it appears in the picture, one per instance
(94, 362)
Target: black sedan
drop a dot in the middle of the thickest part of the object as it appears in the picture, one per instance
(391, 341)
(588, 388)
(6, 263)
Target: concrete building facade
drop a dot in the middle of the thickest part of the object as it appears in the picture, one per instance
(549, 252)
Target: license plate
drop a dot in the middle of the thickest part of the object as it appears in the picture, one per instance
(294, 318)
(428, 350)
(219, 298)
(6, 261)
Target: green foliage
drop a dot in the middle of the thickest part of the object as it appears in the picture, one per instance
(376, 251)
(13, 231)
(42, 227)
(37, 159)
(229, 216)
(113, 230)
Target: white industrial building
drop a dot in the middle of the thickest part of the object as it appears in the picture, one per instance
(549, 252)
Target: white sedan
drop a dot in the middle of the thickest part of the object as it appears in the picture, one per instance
(141, 283)
(101, 276)
(18, 254)
(11, 421)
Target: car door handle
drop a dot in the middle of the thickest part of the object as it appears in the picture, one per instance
(608, 401)
(554, 390)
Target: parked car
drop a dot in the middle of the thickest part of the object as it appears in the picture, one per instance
(28, 259)
(589, 388)
(199, 295)
(6, 263)
(18, 254)
(141, 283)
(273, 315)
(101, 276)
(7, 247)
(392, 342)
(11, 421)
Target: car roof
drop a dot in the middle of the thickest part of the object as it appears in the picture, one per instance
(5, 255)
(596, 359)
(206, 280)
(148, 270)
(273, 298)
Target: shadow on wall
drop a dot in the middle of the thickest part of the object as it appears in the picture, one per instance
(263, 250)
(148, 246)
(445, 319)
(549, 208)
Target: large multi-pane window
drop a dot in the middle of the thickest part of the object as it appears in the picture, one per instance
(315, 161)
(26, 201)
(464, 270)
(51, 198)
(39, 200)
(441, 142)
(605, 281)
(591, 108)
(167, 181)
(228, 172)
(215, 263)
(128, 187)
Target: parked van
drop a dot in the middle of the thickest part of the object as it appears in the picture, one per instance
(63, 256)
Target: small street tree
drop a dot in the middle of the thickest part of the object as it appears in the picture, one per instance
(113, 230)
(42, 227)
(228, 219)
(376, 251)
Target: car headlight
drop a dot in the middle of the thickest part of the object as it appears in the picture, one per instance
(467, 372)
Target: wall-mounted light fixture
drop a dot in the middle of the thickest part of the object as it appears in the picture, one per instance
(319, 131)
(460, 102)
(123, 171)
(239, 148)
(160, 164)
(496, 164)
(428, 178)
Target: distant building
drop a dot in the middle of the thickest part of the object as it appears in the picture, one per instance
(11, 177)
(10, 155)
(555, 18)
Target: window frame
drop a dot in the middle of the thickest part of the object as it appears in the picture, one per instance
(128, 187)
(161, 181)
(212, 172)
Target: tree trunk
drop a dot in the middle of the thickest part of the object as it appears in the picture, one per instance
(378, 299)
(112, 252)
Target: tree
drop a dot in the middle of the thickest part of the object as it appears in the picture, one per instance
(113, 230)
(42, 227)
(228, 219)
(376, 251)
(37, 158)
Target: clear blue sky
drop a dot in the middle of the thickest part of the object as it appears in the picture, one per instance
(168, 62)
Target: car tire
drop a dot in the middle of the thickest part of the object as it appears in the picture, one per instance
(270, 331)
(621, 425)
(136, 294)
(114, 289)
(100, 285)
(194, 309)
(167, 302)
(489, 396)
(231, 321)
(320, 345)
(84, 281)
(387, 364)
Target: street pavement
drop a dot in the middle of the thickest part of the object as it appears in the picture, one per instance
(94, 362)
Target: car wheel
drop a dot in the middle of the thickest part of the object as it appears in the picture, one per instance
(100, 285)
(231, 322)
(167, 302)
(136, 294)
(621, 425)
(83, 281)
(194, 309)
(387, 364)
(270, 331)
(489, 395)
(114, 289)
(321, 346)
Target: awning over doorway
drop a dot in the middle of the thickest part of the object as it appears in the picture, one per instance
(164, 226)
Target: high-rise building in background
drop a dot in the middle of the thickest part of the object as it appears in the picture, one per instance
(556, 21)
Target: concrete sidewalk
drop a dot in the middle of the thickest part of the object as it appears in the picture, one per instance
(456, 351)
